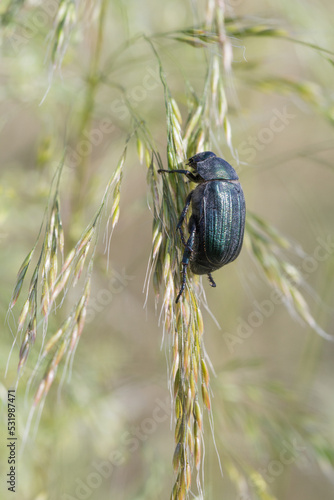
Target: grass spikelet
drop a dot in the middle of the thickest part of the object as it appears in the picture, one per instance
(192, 123)
(69, 260)
(198, 454)
(32, 328)
(39, 393)
(20, 278)
(61, 237)
(80, 263)
(85, 239)
(23, 314)
(206, 397)
(215, 77)
(74, 338)
(156, 245)
(64, 22)
(176, 113)
(205, 373)
(45, 299)
(175, 366)
(53, 268)
(176, 457)
(54, 339)
(222, 104)
(200, 139)
(228, 132)
(188, 476)
(60, 284)
(24, 351)
(140, 150)
(49, 378)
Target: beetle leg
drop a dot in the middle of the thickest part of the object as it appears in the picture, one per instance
(182, 216)
(186, 255)
(212, 283)
(189, 175)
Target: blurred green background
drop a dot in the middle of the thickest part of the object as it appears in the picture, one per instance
(107, 434)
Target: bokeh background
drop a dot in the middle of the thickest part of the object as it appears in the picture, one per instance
(107, 432)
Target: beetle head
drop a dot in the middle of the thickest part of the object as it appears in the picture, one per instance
(209, 167)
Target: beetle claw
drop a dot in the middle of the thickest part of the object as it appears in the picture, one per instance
(212, 283)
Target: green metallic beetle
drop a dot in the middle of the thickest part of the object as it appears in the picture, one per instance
(217, 223)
